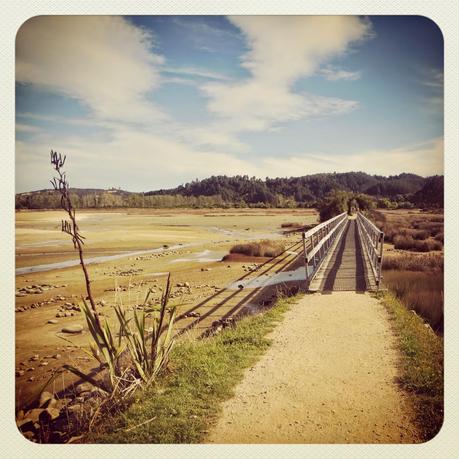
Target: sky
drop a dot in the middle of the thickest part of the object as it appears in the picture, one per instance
(150, 102)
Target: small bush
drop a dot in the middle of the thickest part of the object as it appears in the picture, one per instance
(264, 248)
(290, 225)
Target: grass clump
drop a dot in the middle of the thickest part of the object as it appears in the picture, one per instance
(183, 403)
(421, 366)
(265, 248)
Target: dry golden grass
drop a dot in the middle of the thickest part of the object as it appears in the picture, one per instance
(432, 262)
(421, 292)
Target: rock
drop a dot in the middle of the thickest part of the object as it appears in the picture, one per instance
(68, 314)
(73, 329)
(20, 373)
(85, 387)
(25, 425)
(29, 435)
(53, 321)
(205, 269)
(186, 284)
(43, 364)
(45, 399)
(57, 356)
(21, 294)
(31, 369)
(49, 414)
(35, 357)
(33, 415)
(240, 286)
(61, 403)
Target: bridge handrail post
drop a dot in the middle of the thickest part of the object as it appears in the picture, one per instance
(373, 241)
(321, 238)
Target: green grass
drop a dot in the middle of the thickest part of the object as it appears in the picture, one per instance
(186, 400)
(421, 365)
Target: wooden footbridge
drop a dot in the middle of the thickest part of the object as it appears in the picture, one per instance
(343, 253)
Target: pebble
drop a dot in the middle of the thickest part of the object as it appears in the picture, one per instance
(73, 329)
(53, 321)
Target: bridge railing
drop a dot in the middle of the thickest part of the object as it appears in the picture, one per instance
(372, 241)
(317, 242)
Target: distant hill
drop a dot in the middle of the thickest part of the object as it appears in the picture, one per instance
(242, 191)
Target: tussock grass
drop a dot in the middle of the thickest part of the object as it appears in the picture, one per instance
(421, 365)
(409, 243)
(265, 248)
(184, 403)
(432, 262)
(420, 291)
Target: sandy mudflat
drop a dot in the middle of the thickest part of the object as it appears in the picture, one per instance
(329, 377)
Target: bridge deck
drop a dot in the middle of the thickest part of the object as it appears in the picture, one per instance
(346, 268)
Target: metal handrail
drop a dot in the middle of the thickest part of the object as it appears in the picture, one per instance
(320, 239)
(373, 241)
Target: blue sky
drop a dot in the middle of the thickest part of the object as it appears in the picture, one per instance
(148, 102)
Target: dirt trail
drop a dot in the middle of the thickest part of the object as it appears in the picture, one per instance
(329, 377)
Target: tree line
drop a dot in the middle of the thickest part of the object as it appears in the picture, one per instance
(404, 190)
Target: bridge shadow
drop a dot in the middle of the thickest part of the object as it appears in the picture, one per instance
(255, 299)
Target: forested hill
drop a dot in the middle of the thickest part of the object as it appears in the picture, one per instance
(242, 191)
(308, 188)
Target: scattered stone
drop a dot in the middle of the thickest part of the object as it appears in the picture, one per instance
(20, 373)
(205, 269)
(73, 329)
(186, 284)
(53, 321)
(240, 286)
(35, 357)
(57, 356)
(43, 364)
(32, 378)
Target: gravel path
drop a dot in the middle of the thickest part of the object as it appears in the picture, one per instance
(329, 377)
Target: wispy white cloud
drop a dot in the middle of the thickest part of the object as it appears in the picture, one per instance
(204, 36)
(196, 72)
(281, 51)
(21, 127)
(332, 73)
(433, 78)
(103, 61)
